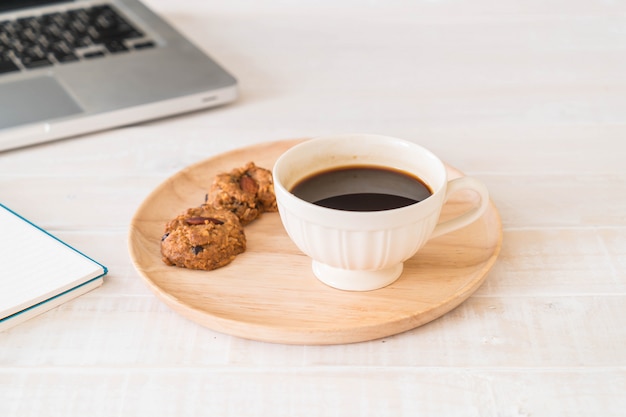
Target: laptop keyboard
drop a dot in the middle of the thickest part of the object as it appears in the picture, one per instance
(68, 36)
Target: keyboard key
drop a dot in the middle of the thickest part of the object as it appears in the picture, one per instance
(94, 54)
(29, 24)
(33, 62)
(7, 65)
(10, 27)
(79, 15)
(59, 19)
(64, 57)
(62, 52)
(17, 46)
(52, 31)
(78, 28)
(109, 25)
(145, 45)
(34, 57)
(82, 41)
(115, 46)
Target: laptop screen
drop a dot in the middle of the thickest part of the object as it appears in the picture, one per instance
(6, 5)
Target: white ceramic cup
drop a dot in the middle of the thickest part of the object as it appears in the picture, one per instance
(362, 251)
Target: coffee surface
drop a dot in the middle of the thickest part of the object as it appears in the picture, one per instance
(362, 188)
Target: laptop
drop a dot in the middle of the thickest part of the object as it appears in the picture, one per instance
(72, 67)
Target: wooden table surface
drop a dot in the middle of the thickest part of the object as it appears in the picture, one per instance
(528, 96)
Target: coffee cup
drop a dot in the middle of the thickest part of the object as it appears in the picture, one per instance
(361, 205)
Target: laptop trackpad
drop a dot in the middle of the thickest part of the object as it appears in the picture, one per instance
(34, 100)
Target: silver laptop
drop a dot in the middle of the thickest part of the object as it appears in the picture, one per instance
(73, 67)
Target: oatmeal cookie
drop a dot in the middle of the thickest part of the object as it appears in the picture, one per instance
(247, 191)
(203, 238)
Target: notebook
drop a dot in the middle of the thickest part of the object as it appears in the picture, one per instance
(72, 67)
(38, 271)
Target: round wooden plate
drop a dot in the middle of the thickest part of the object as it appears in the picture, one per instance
(269, 292)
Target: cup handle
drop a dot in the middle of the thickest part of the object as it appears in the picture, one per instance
(457, 184)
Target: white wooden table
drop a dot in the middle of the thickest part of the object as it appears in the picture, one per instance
(529, 96)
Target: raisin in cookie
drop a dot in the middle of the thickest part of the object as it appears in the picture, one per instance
(203, 238)
(247, 191)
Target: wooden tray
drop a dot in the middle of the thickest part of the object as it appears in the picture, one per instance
(269, 292)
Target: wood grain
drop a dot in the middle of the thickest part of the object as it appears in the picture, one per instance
(270, 294)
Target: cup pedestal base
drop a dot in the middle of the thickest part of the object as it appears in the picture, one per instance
(351, 280)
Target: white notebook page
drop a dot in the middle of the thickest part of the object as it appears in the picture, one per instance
(35, 266)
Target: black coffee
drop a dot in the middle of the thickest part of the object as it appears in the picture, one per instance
(362, 188)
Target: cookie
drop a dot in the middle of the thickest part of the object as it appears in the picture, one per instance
(247, 191)
(265, 195)
(203, 238)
